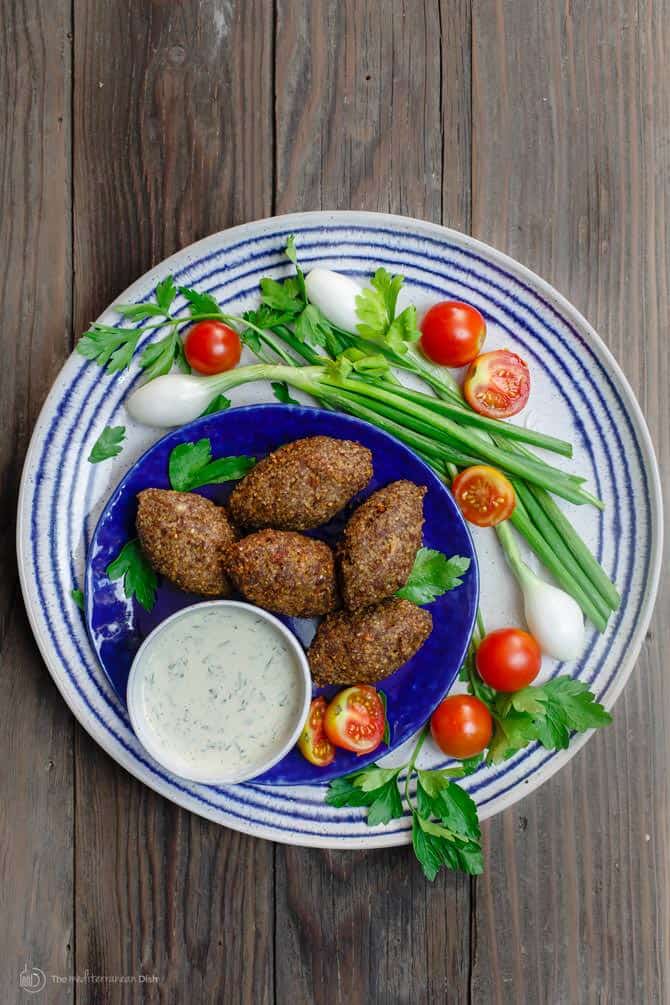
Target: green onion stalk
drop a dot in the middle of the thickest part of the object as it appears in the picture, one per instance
(443, 434)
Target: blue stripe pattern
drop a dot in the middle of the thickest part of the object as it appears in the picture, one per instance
(504, 308)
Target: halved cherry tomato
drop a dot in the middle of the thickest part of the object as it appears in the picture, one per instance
(497, 384)
(452, 333)
(212, 347)
(355, 719)
(484, 496)
(461, 726)
(508, 659)
(313, 743)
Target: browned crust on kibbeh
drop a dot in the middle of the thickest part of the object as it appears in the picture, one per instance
(284, 572)
(302, 484)
(380, 543)
(365, 646)
(185, 537)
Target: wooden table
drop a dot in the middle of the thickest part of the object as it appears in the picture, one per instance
(130, 129)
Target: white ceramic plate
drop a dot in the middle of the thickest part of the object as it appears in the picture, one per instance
(578, 392)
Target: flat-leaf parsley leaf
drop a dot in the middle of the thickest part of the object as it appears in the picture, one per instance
(108, 444)
(190, 466)
(110, 347)
(376, 310)
(139, 579)
(548, 713)
(281, 392)
(432, 575)
(374, 787)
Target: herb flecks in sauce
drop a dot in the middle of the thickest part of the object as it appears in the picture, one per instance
(229, 699)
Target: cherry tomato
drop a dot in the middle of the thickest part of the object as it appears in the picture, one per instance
(355, 719)
(313, 743)
(212, 347)
(508, 659)
(497, 384)
(452, 333)
(484, 496)
(461, 726)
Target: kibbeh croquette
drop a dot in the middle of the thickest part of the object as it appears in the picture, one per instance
(185, 537)
(362, 647)
(302, 484)
(380, 543)
(284, 572)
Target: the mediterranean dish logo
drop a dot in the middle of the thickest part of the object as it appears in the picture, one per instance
(32, 980)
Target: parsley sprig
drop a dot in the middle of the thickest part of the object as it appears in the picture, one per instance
(108, 444)
(139, 579)
(190, 466)
(285, 309)
(376, 310)
(545, 713)
(355, 361)
(432, 575)
(445, 827)
(548, 713)
(113, 348)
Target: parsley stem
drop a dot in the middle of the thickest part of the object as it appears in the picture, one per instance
(412, 762)
(307, 353)
(185, 320)
(188, 319)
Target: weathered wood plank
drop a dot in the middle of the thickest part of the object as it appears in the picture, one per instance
(358, 115)
(36, 911)
(173, 126)
(369, 97)
(570, 166)
(164, 893)
(173, 132)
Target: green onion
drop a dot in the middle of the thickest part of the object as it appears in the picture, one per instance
(545, 527)
(521, 521)
(579, 549)
(471, 418)
(534, 471)
(425, 428)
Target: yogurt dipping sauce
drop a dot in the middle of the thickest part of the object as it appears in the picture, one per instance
(219, 692)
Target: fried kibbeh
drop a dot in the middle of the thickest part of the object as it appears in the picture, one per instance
(361, 647)
(185, 537)
(284, 572)
(380, 543)
(302, 484)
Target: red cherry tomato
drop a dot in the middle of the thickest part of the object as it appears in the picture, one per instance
(484, 496)
(508, 659)
(452, 333)
(355, 719)
(212, 347)
(497, 384)
(461, 725)
(313, 743)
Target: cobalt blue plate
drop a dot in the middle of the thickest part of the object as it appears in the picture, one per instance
(117, 626)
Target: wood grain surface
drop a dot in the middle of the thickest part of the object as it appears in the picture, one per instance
(36, 729)
(571, 162)
(129, 130)
(171, 109)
